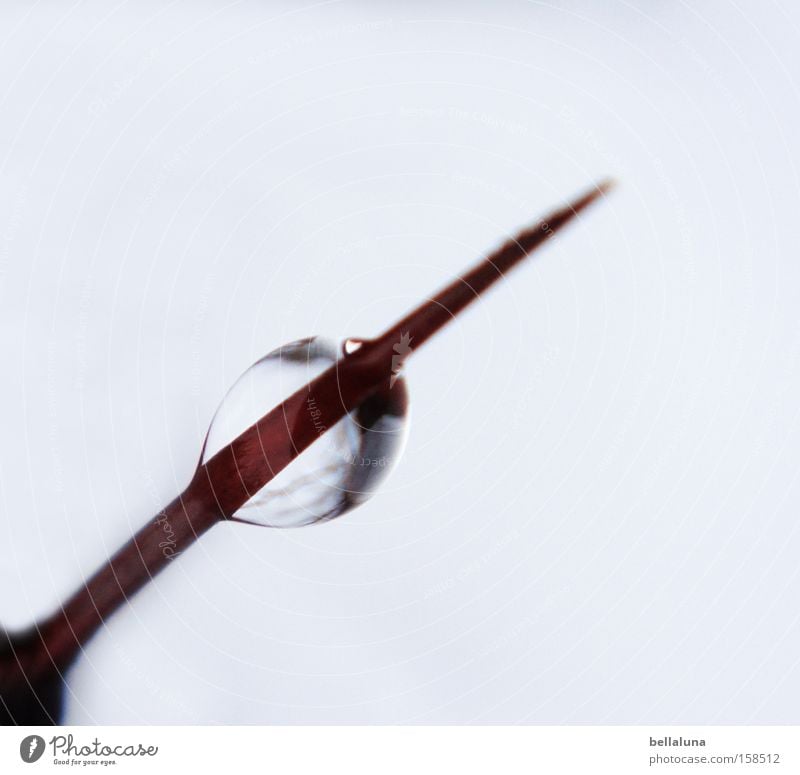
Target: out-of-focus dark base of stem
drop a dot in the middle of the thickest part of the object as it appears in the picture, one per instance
(33, 663)
(29, 695)
(39, 704)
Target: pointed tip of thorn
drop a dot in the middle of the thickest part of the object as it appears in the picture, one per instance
(606, 185)
(594, 193)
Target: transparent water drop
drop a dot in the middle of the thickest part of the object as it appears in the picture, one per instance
(339, 471)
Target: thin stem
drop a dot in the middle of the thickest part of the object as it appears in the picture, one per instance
(430, 316)
(227, 481)
(156, 545)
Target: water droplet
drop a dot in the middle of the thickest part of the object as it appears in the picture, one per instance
(339, 471)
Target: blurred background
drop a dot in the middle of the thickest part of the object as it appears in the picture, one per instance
(596, 518)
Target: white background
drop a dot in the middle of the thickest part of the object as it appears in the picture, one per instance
(596, 519)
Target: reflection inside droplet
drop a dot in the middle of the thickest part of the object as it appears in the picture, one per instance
(339, 471)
